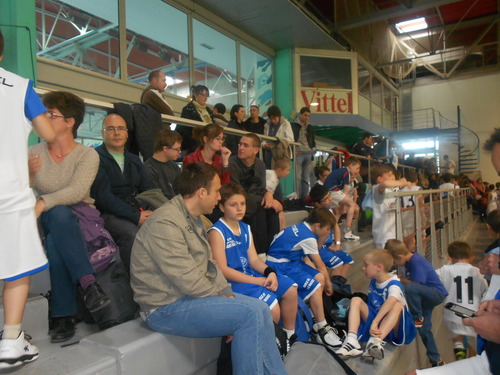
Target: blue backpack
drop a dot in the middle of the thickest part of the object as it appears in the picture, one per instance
(304, 322)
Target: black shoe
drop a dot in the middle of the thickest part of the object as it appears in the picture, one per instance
(62, 329)
(94, 298)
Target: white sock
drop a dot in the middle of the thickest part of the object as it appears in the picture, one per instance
(374, 340)
(289, 332)
(11, 331)
(352, 335)
(321, 324)
(458, 345)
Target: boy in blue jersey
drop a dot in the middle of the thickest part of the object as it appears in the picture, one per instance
(288, 253)
(338, 183)
(21, 251)
(234, 251)
(386, 315)
(424, 291)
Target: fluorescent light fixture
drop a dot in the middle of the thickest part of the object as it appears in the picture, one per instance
(411, 25)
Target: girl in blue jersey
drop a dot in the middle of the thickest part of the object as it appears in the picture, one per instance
(234, 251)
(386, 315)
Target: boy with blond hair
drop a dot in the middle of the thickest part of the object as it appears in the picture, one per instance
(465, 286)
(385, 315)
(424, 291)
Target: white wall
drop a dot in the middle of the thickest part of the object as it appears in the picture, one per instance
(479, 101)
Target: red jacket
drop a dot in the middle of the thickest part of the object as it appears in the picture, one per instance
(216, 163)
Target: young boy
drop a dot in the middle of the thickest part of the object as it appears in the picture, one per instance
(337, 261)
(385, 315)
(286, 255)
(338, 183)
(423, 290)
(233, 250)
(20, 249)
(408, 217)
(281, 170)
(465, 286)
(384, 208)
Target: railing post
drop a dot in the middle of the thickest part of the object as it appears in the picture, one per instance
(432, 221)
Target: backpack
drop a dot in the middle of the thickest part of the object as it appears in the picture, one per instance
(367, 203)
(314, 359)
(336, 309)
(281, 149)
(303, 322)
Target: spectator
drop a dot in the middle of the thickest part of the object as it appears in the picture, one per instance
(408, 218)
(196, 110)
(211, 151)
(180, 289)
(448, 165)
(237, 116)
(152, 95)
(277, 126)
(262, 209)
(303, 133)
(62, 172)
(162, 169)
(21, 251)
(385, 315)
(218, 115)
(255, 123)
(364, 148)
(281, 170)
(323, 173)
(121, 177)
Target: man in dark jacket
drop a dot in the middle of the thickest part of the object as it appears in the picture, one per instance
(303, 133)
(152, 95)
(120, 178)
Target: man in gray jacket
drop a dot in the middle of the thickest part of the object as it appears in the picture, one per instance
(176, 280)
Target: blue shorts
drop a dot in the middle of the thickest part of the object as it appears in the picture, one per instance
(265, 295)
(300, 273)
(404, 333)
(334, 259)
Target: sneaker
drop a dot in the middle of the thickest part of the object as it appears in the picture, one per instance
(375, 349)
(94, 298)
(438, 363)
(15, 352)
(326, 335)
(460, 353)
(419, 322)
(290, 341)
(350, 236)
(350, 348)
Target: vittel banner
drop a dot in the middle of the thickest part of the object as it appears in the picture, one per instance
(328, 100)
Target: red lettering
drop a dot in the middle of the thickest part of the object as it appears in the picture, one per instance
(349, 102)
(341, 104)
(307, 102)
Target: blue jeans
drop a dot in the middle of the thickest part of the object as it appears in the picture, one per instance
(303, 173)
(421, 300)
(253, 348)
(68, 258)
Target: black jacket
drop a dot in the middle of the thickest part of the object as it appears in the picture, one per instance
(311, 141)
(112, 188)
(188, 142)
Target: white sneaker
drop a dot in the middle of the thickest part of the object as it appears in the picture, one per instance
(350, 236)
(374, 349)
(15, 352)
(350, 348)
(326, 335)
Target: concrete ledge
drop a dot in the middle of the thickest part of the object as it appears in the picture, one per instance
(138, 350)
(295, 217)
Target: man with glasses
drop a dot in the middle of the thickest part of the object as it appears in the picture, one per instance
(121, 177)
(262, 209)
(161, 167)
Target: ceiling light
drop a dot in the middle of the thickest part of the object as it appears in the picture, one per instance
(411, 25)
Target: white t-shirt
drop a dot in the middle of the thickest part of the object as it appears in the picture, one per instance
(394, 290)
(384, 216)
(272, 180)
(465, 286)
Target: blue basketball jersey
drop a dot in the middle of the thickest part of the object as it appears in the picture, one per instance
(236, 246)
(293, 243)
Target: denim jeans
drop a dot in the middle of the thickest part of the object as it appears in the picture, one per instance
(123, 232)
(303, 173)
(68, 258)
(253, 348)
(421, 300)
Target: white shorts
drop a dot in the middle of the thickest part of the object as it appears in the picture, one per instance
(337, 197)
(478, 365)
(21, 250)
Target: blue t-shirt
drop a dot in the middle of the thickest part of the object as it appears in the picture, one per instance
(33, 106)
(337, 179)
(419, 270)
(293, 243)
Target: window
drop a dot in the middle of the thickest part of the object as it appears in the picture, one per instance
(325, 72)
(164, 47)
(215, 64)
(83, 34)
(256, 79)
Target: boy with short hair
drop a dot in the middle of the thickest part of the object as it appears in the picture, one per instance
(386, 314)
(286, 255)
(465, 286)
(424, 291)
(384, 208)
(338, 183)
(408, 217)
(21, 251)
(281, 170)
(232, 246)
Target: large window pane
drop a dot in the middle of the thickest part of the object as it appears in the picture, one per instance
(215, 64)
(364, 78)
(82, 33)
(157, 39)
(325, 72)
(256, 79)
